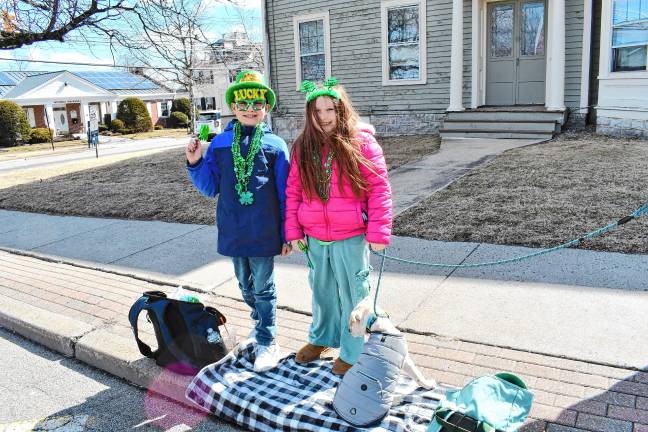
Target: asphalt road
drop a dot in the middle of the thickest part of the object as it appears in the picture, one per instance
(107, 149)
(42, 390)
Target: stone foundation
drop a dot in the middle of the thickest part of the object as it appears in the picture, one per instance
(622, 127)
(288, 126)
(576, 121)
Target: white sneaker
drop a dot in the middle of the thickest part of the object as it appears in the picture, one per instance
(267, 357)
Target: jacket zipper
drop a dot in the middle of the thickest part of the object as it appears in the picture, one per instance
(326, 220)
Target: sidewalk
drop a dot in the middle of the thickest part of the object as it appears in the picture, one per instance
(82, 313)
(575, 303)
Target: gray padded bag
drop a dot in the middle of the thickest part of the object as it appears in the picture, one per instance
(365, 394)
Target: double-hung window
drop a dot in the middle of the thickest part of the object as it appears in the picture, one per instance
(312, 52)
(629, 35)
(403, 42)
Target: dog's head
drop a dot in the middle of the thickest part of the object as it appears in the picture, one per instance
(361, 315)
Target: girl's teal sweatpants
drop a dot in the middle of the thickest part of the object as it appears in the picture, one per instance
(339, 282)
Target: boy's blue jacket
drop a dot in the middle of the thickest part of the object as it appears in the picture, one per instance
(255, 230)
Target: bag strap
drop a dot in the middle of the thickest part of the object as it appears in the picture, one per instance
(443, 417)
(219, 316)
(133, 315)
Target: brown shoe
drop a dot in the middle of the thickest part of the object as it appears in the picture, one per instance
(310, 352)
(340, 367)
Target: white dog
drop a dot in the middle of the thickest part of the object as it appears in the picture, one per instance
(358, 327)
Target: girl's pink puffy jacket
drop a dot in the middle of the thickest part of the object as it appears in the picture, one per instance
(343, 215)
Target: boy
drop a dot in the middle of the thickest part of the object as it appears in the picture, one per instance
(248, 166)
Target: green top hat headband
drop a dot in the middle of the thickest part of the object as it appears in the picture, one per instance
(249, 85)
(313, 91)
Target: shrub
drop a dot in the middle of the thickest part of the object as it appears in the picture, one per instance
(182, 105)
(158, 127)
(132, 111)
(102, 127)
(13, 124)
(178, 120)
(41, 135)
(117, 125)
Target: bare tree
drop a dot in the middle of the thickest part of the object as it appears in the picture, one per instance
(171, 34)
(25, 22)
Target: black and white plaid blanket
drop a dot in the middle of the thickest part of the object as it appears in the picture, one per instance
(294, 397)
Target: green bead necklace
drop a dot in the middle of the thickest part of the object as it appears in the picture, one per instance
(324, 177)
(243, 166)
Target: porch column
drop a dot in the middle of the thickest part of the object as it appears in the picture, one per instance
(114, 110)
(84, 116)
(556, 67)
(456, 58)
(49, 117)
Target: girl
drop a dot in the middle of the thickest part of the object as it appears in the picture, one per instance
(338, 201)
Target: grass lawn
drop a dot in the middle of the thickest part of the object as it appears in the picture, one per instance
(543, 195)
(40, 147)
(59, 145)
(154, 187)
(175, 133)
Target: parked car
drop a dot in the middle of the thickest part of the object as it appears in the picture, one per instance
(211, 118)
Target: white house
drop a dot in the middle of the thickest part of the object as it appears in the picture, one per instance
(60, 100)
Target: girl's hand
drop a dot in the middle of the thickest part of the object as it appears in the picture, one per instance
(295, 244)
(193, 151)
(377, 246)
(286, 249)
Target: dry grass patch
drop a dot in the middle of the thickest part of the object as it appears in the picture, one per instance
(543, 195)
(405, 149)
(30, 175)
(154, 187)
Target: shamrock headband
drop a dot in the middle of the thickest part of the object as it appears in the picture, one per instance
(313, 91)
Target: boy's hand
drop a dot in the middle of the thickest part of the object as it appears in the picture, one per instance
(193, 151)
(377, 246)
(286, 249)
(295, 244)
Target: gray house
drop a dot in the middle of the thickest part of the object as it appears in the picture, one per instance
(509, 68)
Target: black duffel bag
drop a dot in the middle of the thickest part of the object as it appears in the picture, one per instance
(187, 333)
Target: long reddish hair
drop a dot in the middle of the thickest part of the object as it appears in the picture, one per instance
(307, 148)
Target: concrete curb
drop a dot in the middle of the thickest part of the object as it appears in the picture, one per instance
(92, 345)
(55, 331)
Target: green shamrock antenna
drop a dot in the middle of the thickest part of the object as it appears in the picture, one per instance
(204, 132)
(313, 91)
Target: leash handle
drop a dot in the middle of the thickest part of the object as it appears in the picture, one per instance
(304, 248)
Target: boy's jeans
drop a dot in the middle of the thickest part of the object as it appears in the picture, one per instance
(256, 280)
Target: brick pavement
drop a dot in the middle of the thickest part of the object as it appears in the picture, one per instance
(570, 395)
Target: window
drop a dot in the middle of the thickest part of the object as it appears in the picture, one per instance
(164, 109)
(629, 35)
(403, 40)
(312, 48)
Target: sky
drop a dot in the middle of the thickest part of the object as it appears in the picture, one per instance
(223, 17)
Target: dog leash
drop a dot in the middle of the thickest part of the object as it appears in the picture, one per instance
(380, 273)
(589, 236)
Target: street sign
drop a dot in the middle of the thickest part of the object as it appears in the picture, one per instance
(93, 128)
(94, 118)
